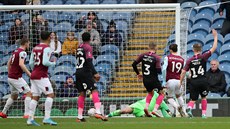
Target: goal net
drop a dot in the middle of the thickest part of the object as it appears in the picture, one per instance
(135, 26)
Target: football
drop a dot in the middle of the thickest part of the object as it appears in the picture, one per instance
(91, 111)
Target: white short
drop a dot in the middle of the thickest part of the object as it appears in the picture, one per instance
(18, 85)
(173, 87)
(41, 86)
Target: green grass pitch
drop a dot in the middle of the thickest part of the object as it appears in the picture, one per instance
(124, 123)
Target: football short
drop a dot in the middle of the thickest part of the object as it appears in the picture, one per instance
(85, 82)
(152, 84)
(18, 85)
(198, 87)
(41, 86)
(173, 88)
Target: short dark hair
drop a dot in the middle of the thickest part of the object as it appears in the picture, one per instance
(152, 46)
(197, 47)
(173, 47)
(23, 41)
(45, 35)
(86, 36)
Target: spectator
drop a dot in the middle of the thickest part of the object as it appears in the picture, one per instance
(55, 45)
(70, 44)
(38, 24)
(112, 35)
(17, 31)
(226, 25)
(80, 24)
(95, 38)
(216, 79)
(67, 90)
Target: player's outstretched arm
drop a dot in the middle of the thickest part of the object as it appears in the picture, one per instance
(215, 35)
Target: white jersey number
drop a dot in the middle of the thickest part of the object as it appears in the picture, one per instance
(80, 62)
(199, 72)
(176, 66)
(37, 59)
(147, 71)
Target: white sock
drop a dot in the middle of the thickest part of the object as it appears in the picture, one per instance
(180, 101)
(33, 105)
(173, 103)
(48, 106)
(8, 104)
(27, 104)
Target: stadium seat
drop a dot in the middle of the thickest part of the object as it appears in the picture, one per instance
(4, 28)
(61, 36)
(171, 39)
(71, 112)
(4, 60)
(225, 68)
(208, 47)
(104, 70)
(63, 27)
(64, 70)
(105, 59)
(3, 78)
(50, 16)
(66, 16)
(225, 49)
(8, 17)
(122, 26)
(227, 39)
(125, 16)
(202, 29)
(110, 49)
(58, 79)
(224, 59)
(217, 26)
(16, 112)
(67, 60)
(105, 24)
(25, 18)
(195, 38)
(91, 2)
(218, 19)
(109, 2)
(209, 40)
(127, 2)
(203, 18)
(188, 6)
(207, 7)
(12, 48)
(73, 2)
(213, 95)
(56, 112)
(54, 2)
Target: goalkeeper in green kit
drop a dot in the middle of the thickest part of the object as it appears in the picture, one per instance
(137, 108)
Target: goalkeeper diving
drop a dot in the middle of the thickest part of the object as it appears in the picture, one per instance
(137, 108)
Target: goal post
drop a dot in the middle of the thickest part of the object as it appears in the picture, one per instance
(137, 25)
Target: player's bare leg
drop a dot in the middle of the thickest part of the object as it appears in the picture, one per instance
(97, 105)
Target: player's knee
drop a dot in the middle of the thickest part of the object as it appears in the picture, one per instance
(50, 95)
(14, 95)
(29, 94)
